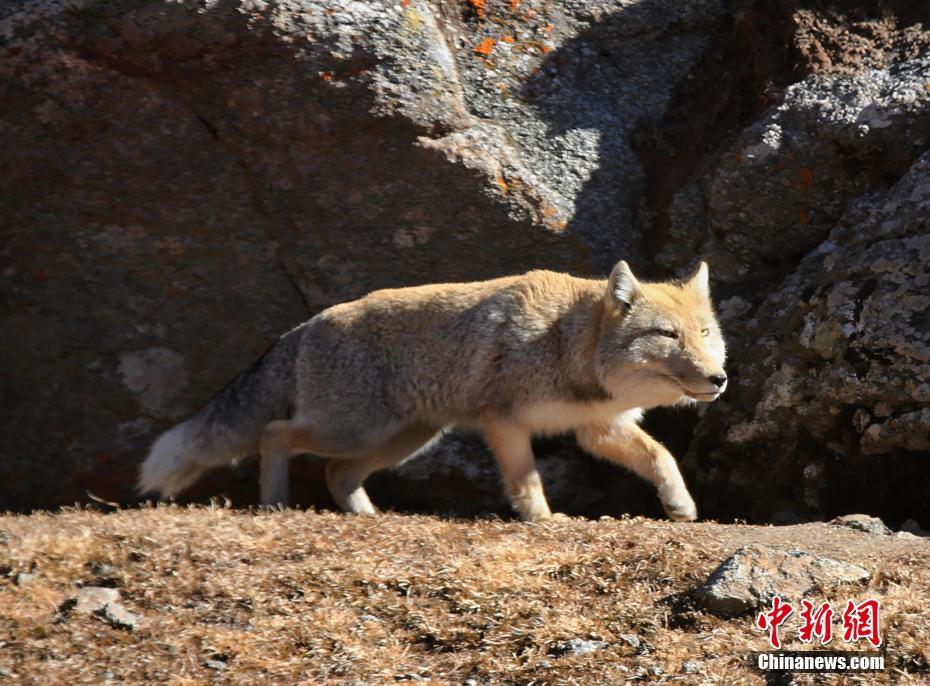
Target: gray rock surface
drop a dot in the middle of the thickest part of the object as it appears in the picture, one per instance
(833, 386)
(577, 646)
(186, 181)
(90, 599)
(105, 603)
(754, 574)
(786, 180)
(911, 526)
(864, 523)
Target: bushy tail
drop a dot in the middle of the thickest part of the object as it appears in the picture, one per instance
(231, 424)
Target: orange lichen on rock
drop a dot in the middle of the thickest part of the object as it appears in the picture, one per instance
(485, 47)
(480, 6)
(509, 39)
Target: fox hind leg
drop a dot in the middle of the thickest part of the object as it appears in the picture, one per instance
(276, 449)
(282, 440)
(273, 476)
(345, 477)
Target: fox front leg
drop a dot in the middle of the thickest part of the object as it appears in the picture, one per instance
(628, 445)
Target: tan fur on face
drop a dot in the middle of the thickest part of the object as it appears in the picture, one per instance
(632, 349)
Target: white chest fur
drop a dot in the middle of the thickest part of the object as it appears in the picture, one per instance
(554, 417)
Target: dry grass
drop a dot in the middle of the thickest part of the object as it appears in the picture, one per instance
(302, 597)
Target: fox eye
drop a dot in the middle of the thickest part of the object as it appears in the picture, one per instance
(666, 333)
(705, 332)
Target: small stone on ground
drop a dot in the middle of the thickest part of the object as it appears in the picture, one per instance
(862, 522)
(105, 603)
(754, 574)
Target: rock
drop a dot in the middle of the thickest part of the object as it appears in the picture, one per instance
(217, 665)
(90, 599)
(105, 603)
(242, 168)
(749, 578)
(157, 375)
(786, 180)
(690, 667)
(829, 409)
(912, 527)
(239, 169)
(23, 578)
(576, 646)
(631, 640)
(861, 522)
(119, 617)
(905, 536)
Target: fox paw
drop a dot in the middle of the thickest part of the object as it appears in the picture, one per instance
(683, 510)
(559, 517)
(545, 517)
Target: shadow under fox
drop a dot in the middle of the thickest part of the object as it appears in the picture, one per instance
(371, 382)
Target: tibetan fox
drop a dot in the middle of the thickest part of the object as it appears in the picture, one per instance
(369, 383)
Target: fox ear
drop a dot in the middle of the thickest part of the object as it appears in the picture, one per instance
(701, 280)
(622, 286)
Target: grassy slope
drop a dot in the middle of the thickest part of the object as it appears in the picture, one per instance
(302, 597)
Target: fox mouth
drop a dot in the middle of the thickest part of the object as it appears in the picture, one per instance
(705, 396)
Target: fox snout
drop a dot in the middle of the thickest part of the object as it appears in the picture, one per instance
(709, 386)
(701, 385)
(719, 380)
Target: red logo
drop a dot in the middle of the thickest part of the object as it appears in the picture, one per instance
(817, 623)
(773, 619)
(862, 621)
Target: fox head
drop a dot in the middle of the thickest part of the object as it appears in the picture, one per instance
(660, 341)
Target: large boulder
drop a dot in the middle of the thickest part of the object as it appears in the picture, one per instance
(831, 394)
(786, 180)
(182, 182)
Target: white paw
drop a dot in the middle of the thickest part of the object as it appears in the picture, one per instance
(553, 517)
(681, 508)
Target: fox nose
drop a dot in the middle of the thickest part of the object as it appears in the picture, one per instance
(719, 380)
